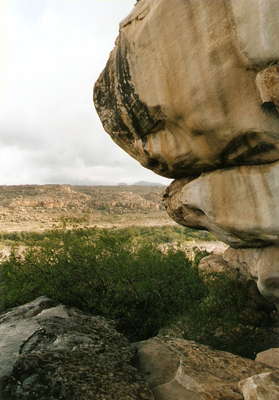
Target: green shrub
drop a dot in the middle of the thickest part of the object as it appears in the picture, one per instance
(227, 318)
(105, 273)
(108, 272)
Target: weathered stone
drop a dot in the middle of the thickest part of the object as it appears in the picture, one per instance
(194, 88)
(260, 265)
(16, 327)
(257, 26)
(242, 263)
(268, 85)
(261, 387)
(238, 205)
(178, 369)
(53, 352)
(268, 273)
(216, 263)
(269, 357)
(245, 261)
(176, 93)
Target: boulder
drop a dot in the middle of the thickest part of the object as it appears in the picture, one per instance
(53, 352)
(216, 263)
(183, 88)
(239, 263)
(255, 265)
(239, 205)
(191, 91)
(261, 387)
(259, 264)
(245, 261)
(269, 357)
(178, 369)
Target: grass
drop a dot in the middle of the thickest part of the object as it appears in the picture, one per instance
(122, 275)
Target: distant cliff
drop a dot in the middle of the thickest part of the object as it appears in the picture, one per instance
(27, 207)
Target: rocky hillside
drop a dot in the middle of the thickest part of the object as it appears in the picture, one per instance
(28, 207)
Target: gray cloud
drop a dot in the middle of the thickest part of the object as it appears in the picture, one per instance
(49, 130)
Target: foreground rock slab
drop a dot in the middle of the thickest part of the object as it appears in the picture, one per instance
(261, 387)
(53, 352)
(178, 369)
(269, 357)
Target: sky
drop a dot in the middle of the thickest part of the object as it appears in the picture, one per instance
(52, 52)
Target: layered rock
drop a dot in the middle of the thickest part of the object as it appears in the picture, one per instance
(192, 92)
(240, 205)
(180, 92)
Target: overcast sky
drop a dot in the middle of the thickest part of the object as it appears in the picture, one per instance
(52, 53)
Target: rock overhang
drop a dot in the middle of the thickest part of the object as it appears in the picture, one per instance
(192, 92)
(182, 94)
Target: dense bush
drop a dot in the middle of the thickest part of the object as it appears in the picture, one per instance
(228, 318)
(110, 273)
(104, 273)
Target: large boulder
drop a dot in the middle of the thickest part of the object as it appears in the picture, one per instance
(183, 88)
(191, 90)
(239, 205)
(260, 265)
(53, 352)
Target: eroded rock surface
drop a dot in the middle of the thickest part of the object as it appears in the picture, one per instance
(269, 357)
(259, 264)
(191, 91)
(53, 352)
(179, 92)
(240, 205)
(178, 369)
(261, 387)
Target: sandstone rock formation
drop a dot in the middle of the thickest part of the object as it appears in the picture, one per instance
(260, 264)
(191, 91)
(261, 387)
(269, 357)
(179, 91)
(42, 207)
(239, 205)
(178, 369)
(53, 352)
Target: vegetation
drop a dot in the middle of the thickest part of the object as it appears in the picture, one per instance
(158, 235)
(122, 275)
